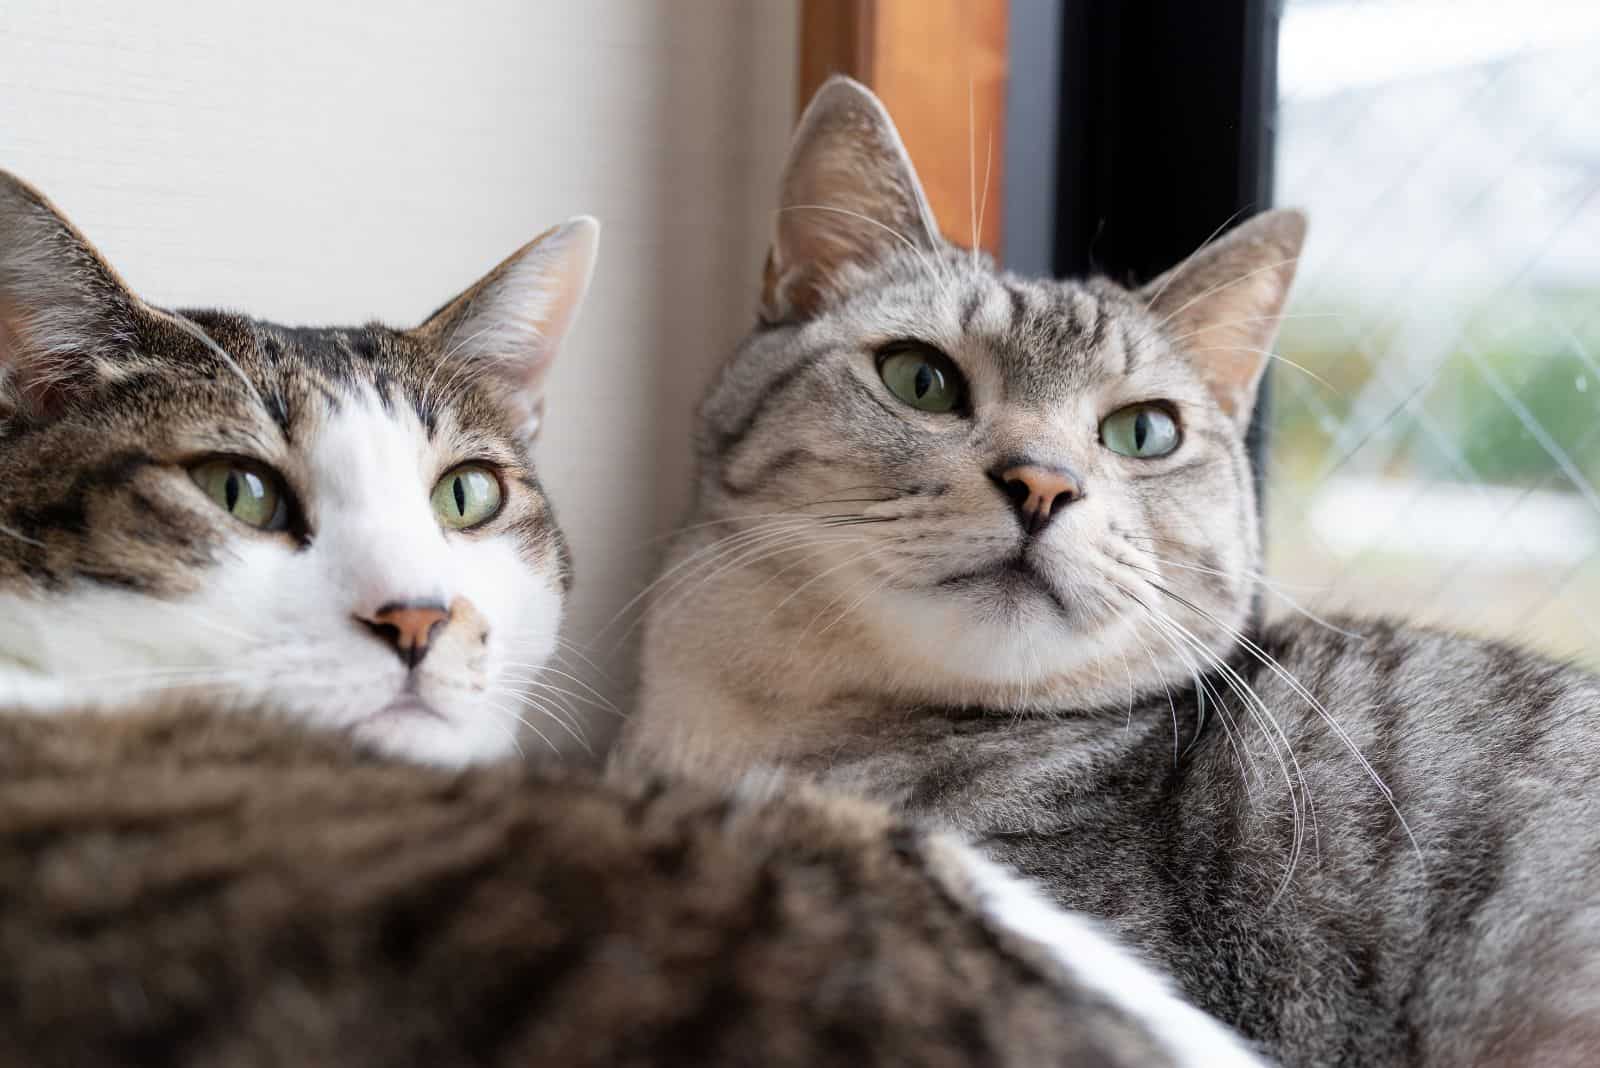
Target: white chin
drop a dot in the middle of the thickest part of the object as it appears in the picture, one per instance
(422, 736)
(1000, 639)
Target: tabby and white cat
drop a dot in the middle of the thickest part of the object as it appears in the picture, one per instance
(189, 889)
(203, 517)
(342, 526)
(985, 548)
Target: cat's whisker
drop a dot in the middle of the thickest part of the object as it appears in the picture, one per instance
(1306, 613)
(691, 563)
(566, 646)
(708, 562)
(928, 261)
(972, 166)
(1271, 664)
(175, 671)
(514, 714)
(253, 642)
(747, 556)
(734, 555)
(1273, 587)
(529, 701)
(596, 698)
(453, 348)
(793, 542)
(758, 516)
(983, 203)
(1243, 572)
(8, 532)
(1216, 288)
(1225, 323)
(1268, 725)
(872, 591)
(1231, 676)
(1172, 704)
(1132, 691)
(1235, 349)
(803, 556)
(1183, 264)
(511, 736)
(1184, 653)
(566, 699)
(819, 576)
(190, 327)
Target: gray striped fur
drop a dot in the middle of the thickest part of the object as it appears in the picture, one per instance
(1360, 844)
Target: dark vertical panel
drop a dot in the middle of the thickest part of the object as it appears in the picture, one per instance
(1164, 134)
(1165, 128)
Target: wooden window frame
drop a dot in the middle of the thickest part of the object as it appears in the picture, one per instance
(940, 68)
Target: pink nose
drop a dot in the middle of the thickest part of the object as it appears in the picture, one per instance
(1038, 494)
(408, 627)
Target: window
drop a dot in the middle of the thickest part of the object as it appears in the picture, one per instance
(1436, 427)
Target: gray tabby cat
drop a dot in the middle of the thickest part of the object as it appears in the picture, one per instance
(236, 560)
(985, 548)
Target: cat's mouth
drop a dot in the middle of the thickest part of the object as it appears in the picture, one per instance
(1013, 577)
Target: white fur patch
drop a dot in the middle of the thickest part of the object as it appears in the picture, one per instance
(1093, 959)
(277, 627)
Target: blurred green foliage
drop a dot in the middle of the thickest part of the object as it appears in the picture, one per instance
(1434, 411)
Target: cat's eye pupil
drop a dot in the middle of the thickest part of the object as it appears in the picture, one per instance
(251, 494)
(1143, 431)
(922, 377)
(466, 497)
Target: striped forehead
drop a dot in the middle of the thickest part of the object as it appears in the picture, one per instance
(1050, 341)
(311, 373)
(1045, 341)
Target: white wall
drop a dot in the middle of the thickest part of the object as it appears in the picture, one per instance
(314, 161)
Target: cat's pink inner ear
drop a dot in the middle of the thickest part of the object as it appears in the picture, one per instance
(508, 327)
(24, 381)
(1222, 306)
(62, 308)
(849, 196)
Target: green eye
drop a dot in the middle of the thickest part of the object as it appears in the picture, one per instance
(1143, 431)
(249, 492)
(466, 496)
(923, 377)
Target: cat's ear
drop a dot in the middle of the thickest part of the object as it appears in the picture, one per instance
(849, 195)
(508, 326)
(65, 316)
(1222, 305)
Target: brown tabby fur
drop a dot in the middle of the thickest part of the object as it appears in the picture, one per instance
(185, 889)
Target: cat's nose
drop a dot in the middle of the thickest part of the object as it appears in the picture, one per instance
(1037, 493)
(409, 627)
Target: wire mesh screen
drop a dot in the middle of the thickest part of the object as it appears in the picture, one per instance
(1436, 433)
